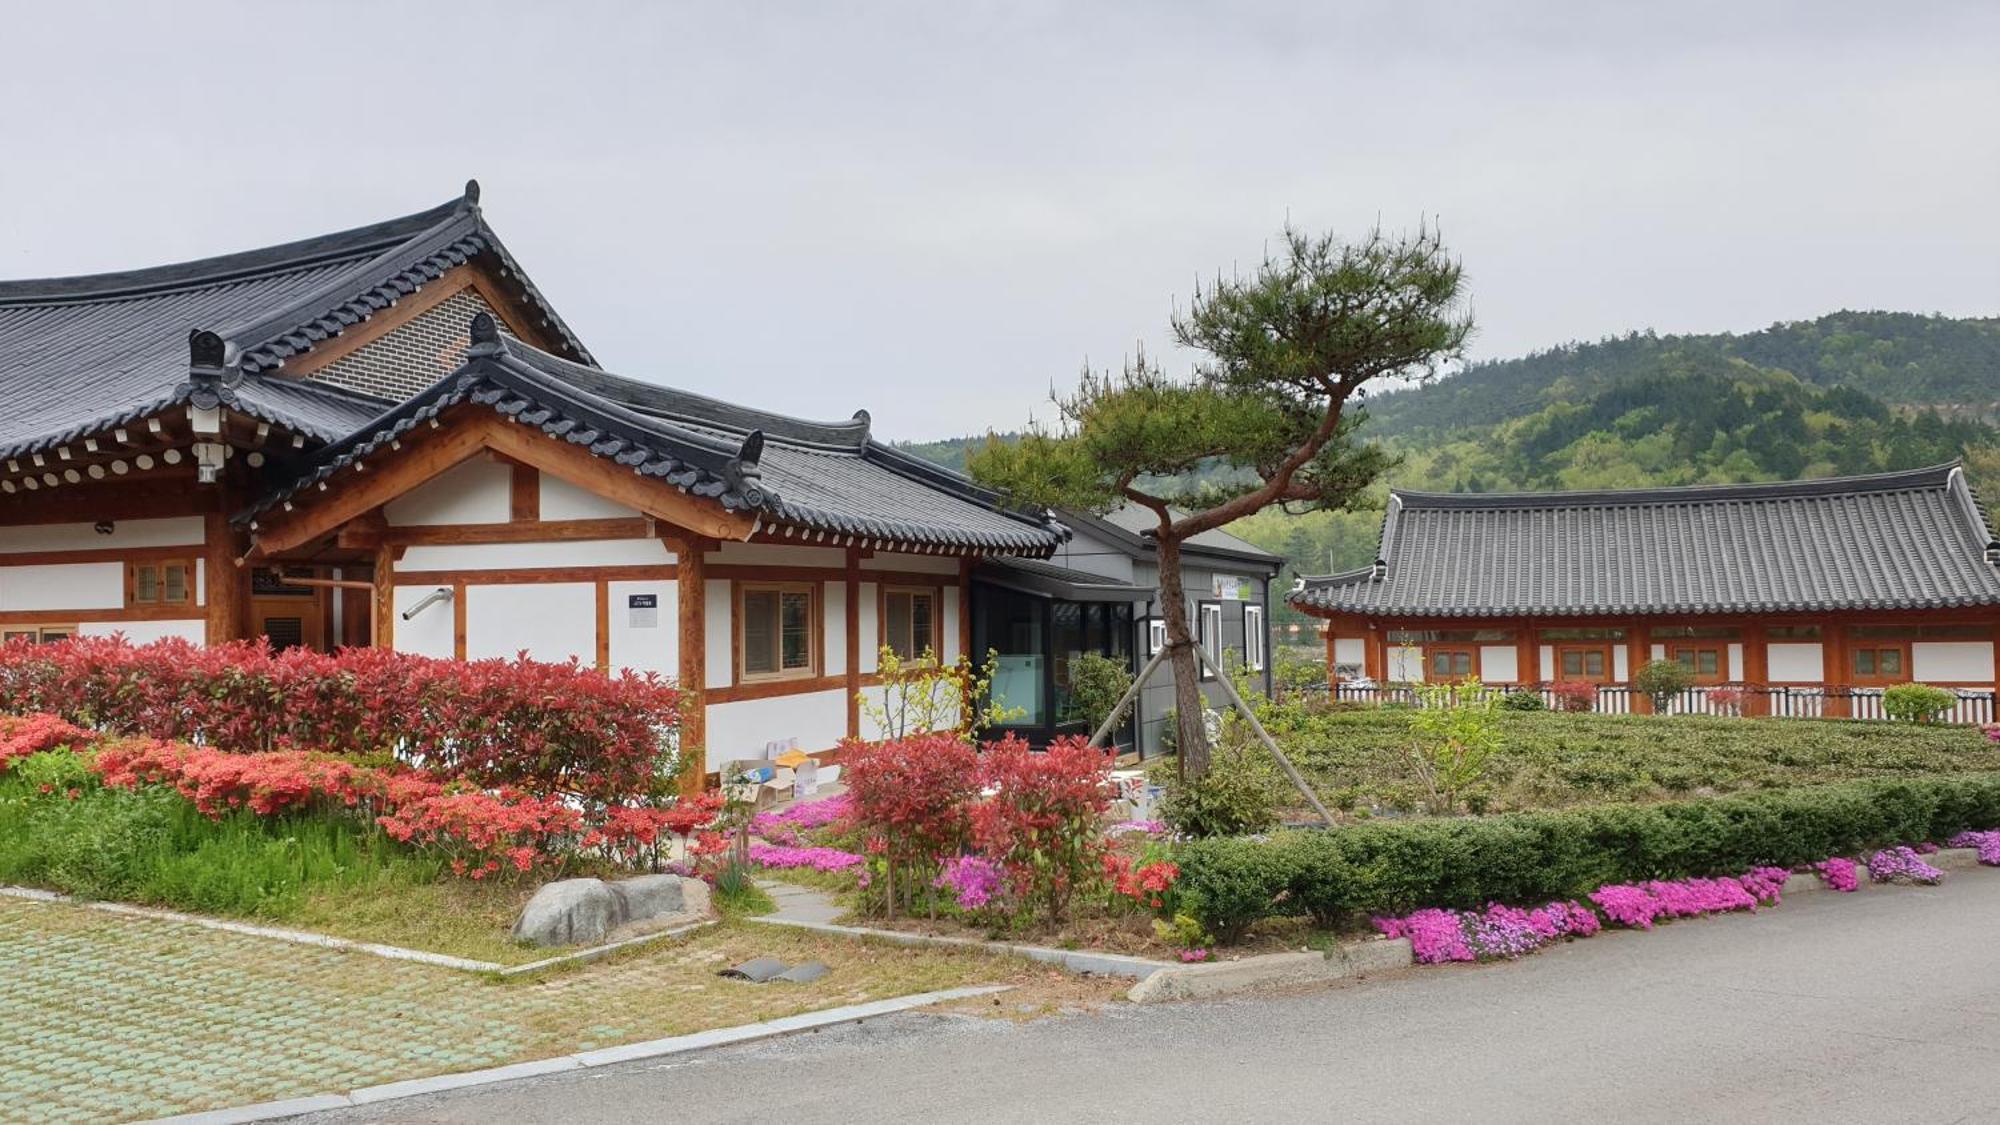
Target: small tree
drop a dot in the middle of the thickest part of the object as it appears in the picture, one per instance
(1661, 680)
(1096, 684)
(1265, 418)
(1455, 736)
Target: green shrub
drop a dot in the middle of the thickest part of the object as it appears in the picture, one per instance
(1520, 700)
(1661, 680)
(1917, 703)
(1532, 857)
(1096, 684)
(1233, 798)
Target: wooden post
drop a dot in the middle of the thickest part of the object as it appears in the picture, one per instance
(853, 627)
(604, 626)
(1833, 670)
(384, 633)
(458, 621)
(1527, 655)
(227, 585)
(1639, 650)
(1756, 670)
(691, 599)
(1332, 665)
(1375, 653)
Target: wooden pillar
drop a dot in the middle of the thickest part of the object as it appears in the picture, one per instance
(965, 566)
(1375, 653)
(1527, 654)
(1639, 649)
(458, 620)
(853, 639)
(691, 600)
(1833, 670)
(1332, 665)
(225, 584)
(603, 626)
(1756, 670)
(384, 633)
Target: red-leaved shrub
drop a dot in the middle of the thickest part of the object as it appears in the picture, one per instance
(1574, 695)
(482, 832)
(910, 797)
(545, 728)
(1041, 824)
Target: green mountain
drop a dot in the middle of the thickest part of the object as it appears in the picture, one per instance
(1847, 393)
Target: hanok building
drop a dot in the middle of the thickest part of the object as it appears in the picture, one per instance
(1812, 596)
(387, 436)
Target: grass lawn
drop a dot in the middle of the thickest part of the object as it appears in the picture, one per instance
(1358, 760)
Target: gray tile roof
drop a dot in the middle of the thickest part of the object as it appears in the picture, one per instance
(813, 476)
(79, 355)
(1906, 540)
(1046, 578)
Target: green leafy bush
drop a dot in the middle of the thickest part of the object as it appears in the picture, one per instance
(1464, 863)
(1661, 680)
(1917, 703)
(1519, 700)
(1233, 798)
(1096, 684)
(1454, 738)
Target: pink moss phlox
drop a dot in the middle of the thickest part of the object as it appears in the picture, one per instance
(1639, 905)
(1901, 865)
(1148, 827)
(1839, 873)
(1987, 844)
(1497, 932)
(974, 880)
(801, 817)
(819, 859)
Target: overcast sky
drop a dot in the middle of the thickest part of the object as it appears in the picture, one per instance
(936, 211)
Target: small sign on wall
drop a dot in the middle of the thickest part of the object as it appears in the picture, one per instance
(643, 610)
(1232, 588)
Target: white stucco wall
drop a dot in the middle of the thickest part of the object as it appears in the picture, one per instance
(833, 661)
(947, 709)
(561, 500)
(1499, 664)
(948, 632)
(146, 632)
(871, 629)
(640, 648)
(476, 491)
(1548, 657)
(777, 554)
(63, 586)
(719, 632)
(1621, 662)
(1406, 664)
(740, 730)
(1952, 661)
(923, 564)
(1350, 650)
(551, 620)
(531, 556)
(430, 633)
(177, 531)
(1736, 662)
(1794, 662)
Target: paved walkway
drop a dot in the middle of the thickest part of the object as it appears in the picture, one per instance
(1880, 1007)
(107, 1018)
(802, 904)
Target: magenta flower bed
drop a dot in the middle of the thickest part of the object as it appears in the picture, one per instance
(1639, 904)
(1901, 865)
(1496, 932)
(1987, 844)
(780, 856)
(1840, 873)
(785, 825)
(974, 880)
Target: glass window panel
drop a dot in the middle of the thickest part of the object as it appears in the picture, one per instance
(1583, 634)
(1793, 632)
(174, 583)
(896, 625)
(921, 634)
(797, 650)
(1890, 661)
(1572, 663)
(1593, 664)
(1864, 662)
(145, 584)
(760, 628)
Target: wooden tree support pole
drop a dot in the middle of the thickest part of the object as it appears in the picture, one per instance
(1264, 736)
(1117, 715)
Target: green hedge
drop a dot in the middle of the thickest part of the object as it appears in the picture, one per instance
(1393, 867)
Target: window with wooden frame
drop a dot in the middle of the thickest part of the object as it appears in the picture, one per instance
(1253, 637)
(160, 582)
(1879, 662)
(911, 623)
(777, 631)
(36, 634)
(1708, 663)
(1590, 664)
(1450, 662)
(1209, 633)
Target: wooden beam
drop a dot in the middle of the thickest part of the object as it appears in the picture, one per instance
(351, 494)
(616, 482)
(545, 531)
(383, 635)
(527, 576)
(449, 284)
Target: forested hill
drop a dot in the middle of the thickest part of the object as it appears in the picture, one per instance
(1847, 393)
(1899, 358)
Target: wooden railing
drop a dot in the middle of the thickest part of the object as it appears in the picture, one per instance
(1974, 706)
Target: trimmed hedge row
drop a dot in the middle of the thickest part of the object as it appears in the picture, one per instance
(1395, 867)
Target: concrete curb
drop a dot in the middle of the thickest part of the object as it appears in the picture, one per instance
(1272, 970)
(1075, 960)
(651, 1049)
(599, 952)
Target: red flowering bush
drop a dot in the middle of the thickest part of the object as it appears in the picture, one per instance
(640, 836)
(1574, 695)
(484, 833)
(1147, 882)
(909, 797)
(545, 728)
(1042, 822)
(1727, 700)
(266, 784)
(21, 736)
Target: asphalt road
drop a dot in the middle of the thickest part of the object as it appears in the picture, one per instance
(1877, 1007)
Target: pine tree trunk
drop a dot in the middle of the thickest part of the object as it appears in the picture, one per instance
(1192, 733)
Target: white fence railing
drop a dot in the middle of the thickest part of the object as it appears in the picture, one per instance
(1974, 706)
